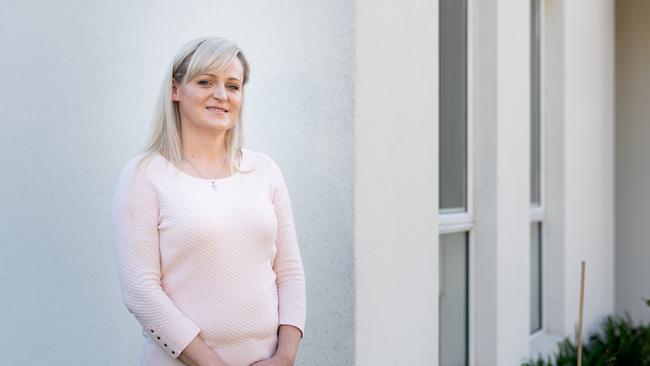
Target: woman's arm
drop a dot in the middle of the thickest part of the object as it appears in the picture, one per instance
(197, 353)
(287, 265)
(137, 252)
(288, 342)
(290, 277)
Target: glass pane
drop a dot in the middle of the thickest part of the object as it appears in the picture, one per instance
(453, 105)
(535, 277)
(535, 135)
(453, 299)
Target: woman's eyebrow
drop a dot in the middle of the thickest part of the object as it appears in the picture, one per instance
(216, 77)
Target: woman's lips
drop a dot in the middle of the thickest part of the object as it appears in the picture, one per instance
(217, 110)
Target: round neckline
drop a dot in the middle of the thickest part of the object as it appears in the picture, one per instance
(208, 180)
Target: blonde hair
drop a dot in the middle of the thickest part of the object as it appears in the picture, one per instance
(194, 58)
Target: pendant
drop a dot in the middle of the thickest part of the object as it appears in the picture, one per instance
(214, 185)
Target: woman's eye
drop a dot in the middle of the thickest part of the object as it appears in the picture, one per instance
(204, 82)
(233, 87)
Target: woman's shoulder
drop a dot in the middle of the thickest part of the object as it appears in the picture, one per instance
(141, 165)
(255, 159)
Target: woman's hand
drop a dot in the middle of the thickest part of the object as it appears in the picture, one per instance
(288, 341)
(275, 361)
(198, 353)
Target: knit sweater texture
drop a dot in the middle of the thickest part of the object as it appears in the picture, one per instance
(221, 262)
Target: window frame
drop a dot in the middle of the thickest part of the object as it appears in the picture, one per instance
(537, 211)
(452, 221)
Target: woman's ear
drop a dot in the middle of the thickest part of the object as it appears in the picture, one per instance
(174, 91)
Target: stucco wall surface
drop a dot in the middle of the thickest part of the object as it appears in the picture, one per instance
(396, 244)
(589, 159)
(79, 83)
(500, 103)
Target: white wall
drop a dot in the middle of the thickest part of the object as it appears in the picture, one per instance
(79, 83)
(396, 189)
(578, 107)
(579, 120)
(553, 132)
(632, 153)
(589, 159)
(578, 171)
(501, 116)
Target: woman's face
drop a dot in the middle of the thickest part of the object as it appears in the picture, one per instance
(211, 100)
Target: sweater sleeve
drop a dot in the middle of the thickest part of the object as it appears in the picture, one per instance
(290, 277)
(136, 245)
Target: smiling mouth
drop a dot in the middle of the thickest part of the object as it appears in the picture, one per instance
(216, 109)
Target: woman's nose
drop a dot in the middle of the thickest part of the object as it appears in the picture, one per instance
(220, 92)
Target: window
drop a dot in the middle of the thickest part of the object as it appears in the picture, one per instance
(536, 204)
(455, 201)
(535, 277)
(453, 106)
(453, 299)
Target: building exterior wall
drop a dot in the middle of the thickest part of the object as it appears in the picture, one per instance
(588, 159)
(632, 152)
(578, 125)
(501, 116)
(553, 117)
(344, 95)
(396, 246)
(79, 83)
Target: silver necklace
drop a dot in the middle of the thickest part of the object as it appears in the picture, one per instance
(213, 182)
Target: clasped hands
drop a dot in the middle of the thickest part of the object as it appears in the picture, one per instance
(275, 361)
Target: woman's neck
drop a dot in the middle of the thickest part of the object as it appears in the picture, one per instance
(203, 147)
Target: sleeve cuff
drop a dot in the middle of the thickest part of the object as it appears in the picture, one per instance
(292, 314)
(175, 337)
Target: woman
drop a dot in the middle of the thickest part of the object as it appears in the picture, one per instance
(204, 237)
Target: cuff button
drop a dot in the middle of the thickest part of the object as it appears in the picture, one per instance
(158, 338)
(165, 344)
(173, 353)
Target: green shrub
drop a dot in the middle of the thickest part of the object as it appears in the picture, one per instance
(619, 343)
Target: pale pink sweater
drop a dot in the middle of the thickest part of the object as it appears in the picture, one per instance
(224, 262)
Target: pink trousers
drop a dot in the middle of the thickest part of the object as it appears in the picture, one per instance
(153, 355)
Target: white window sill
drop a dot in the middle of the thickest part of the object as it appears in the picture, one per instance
(543, 344)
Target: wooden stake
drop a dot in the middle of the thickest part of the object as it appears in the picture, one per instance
(582, 298)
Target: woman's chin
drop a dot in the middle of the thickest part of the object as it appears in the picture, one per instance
(218, 125)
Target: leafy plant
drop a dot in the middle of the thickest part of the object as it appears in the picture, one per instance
(619, 343)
